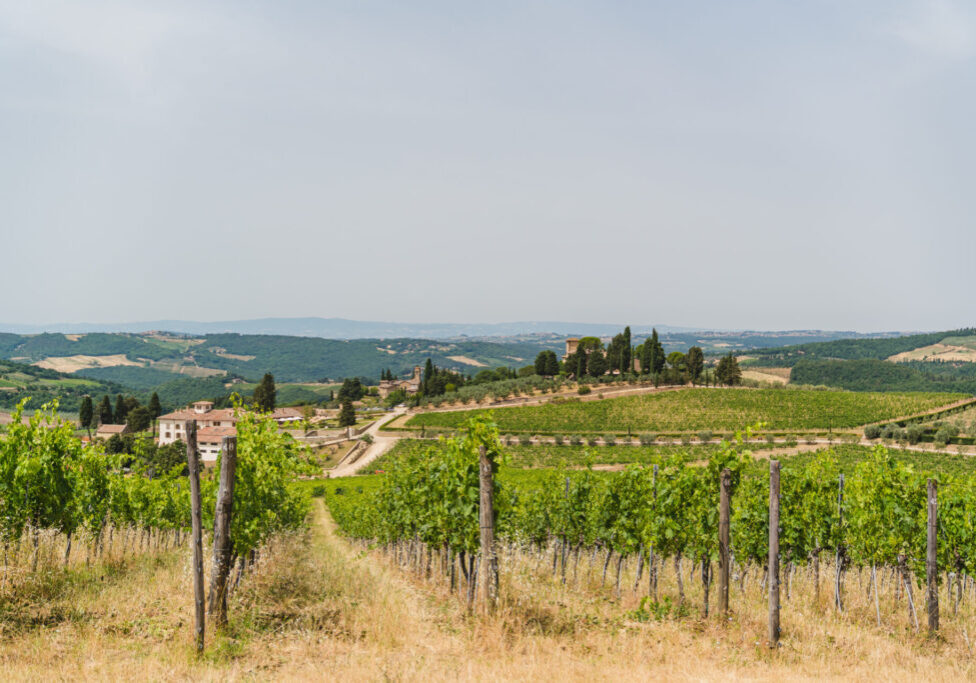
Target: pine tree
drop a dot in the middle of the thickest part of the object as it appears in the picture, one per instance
(728, 371)
(86, 414)
(105, 411)
(596, 363)
(540, 363)
(121, 410)
(347, 416)
(552, 364)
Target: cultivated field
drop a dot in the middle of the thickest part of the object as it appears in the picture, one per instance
(693, 410)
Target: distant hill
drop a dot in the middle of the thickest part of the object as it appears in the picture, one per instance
(341, 328)
(142, 360)
(854, 349)
(18, 381)
(938, 361)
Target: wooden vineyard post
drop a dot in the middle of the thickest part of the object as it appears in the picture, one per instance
(193, 460)
(931, 557)
(651, 567)
(222, 544)
(838, 596)
(773, 561)
(489, 561)
(725, 486)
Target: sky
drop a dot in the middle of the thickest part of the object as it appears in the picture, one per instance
(761, 165)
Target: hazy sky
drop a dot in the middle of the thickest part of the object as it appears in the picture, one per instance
(719, 164)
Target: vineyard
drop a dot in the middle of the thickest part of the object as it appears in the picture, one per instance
(693, 410)
(855, 535)
(519, 458)
(70, 513)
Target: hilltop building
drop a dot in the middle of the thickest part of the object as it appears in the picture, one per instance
(411, 386)
(571, 345)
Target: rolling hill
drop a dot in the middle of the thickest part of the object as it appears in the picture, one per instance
(938, 361)
(145, 360)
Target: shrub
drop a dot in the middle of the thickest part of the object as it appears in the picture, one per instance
(558, 438)
(525, 439)
(685, 440)
(609, 439)
(591, 441)
(872, 432)
(647, 439)
(770, 438)
(914, 433)
(583, 390)
(704, 436)
(575, 439)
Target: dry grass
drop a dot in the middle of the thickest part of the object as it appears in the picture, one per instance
(71, 364)
(318, 608)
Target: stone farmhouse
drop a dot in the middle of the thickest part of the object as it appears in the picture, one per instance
(108, 431)
(411, 386)
(213, 424)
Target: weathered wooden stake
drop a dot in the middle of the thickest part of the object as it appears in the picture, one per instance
(725, 486)
(489, 559)
(223, 545)
(931, 559)
(193, 460)
(773, 561)
(838, 595)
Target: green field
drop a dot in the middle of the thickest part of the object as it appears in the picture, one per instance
(692, 410)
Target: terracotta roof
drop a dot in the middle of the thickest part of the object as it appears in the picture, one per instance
(214, 434)
(282, 413)
(219, 414)
(111, 429)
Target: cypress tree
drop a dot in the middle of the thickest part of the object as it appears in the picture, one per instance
(265, 394)
(695, 362)
(347, 416)
(657, 353)
(121, 410)
(647, 357)
(625, 360)
(428, 376)
(105, 411)
(86, 414)
(155, 409)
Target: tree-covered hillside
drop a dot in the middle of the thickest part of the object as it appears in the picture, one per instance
(18, 381)
(290, 359)
(869, 374)
(851, 349)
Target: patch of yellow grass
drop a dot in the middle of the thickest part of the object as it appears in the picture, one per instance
(70, 364)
